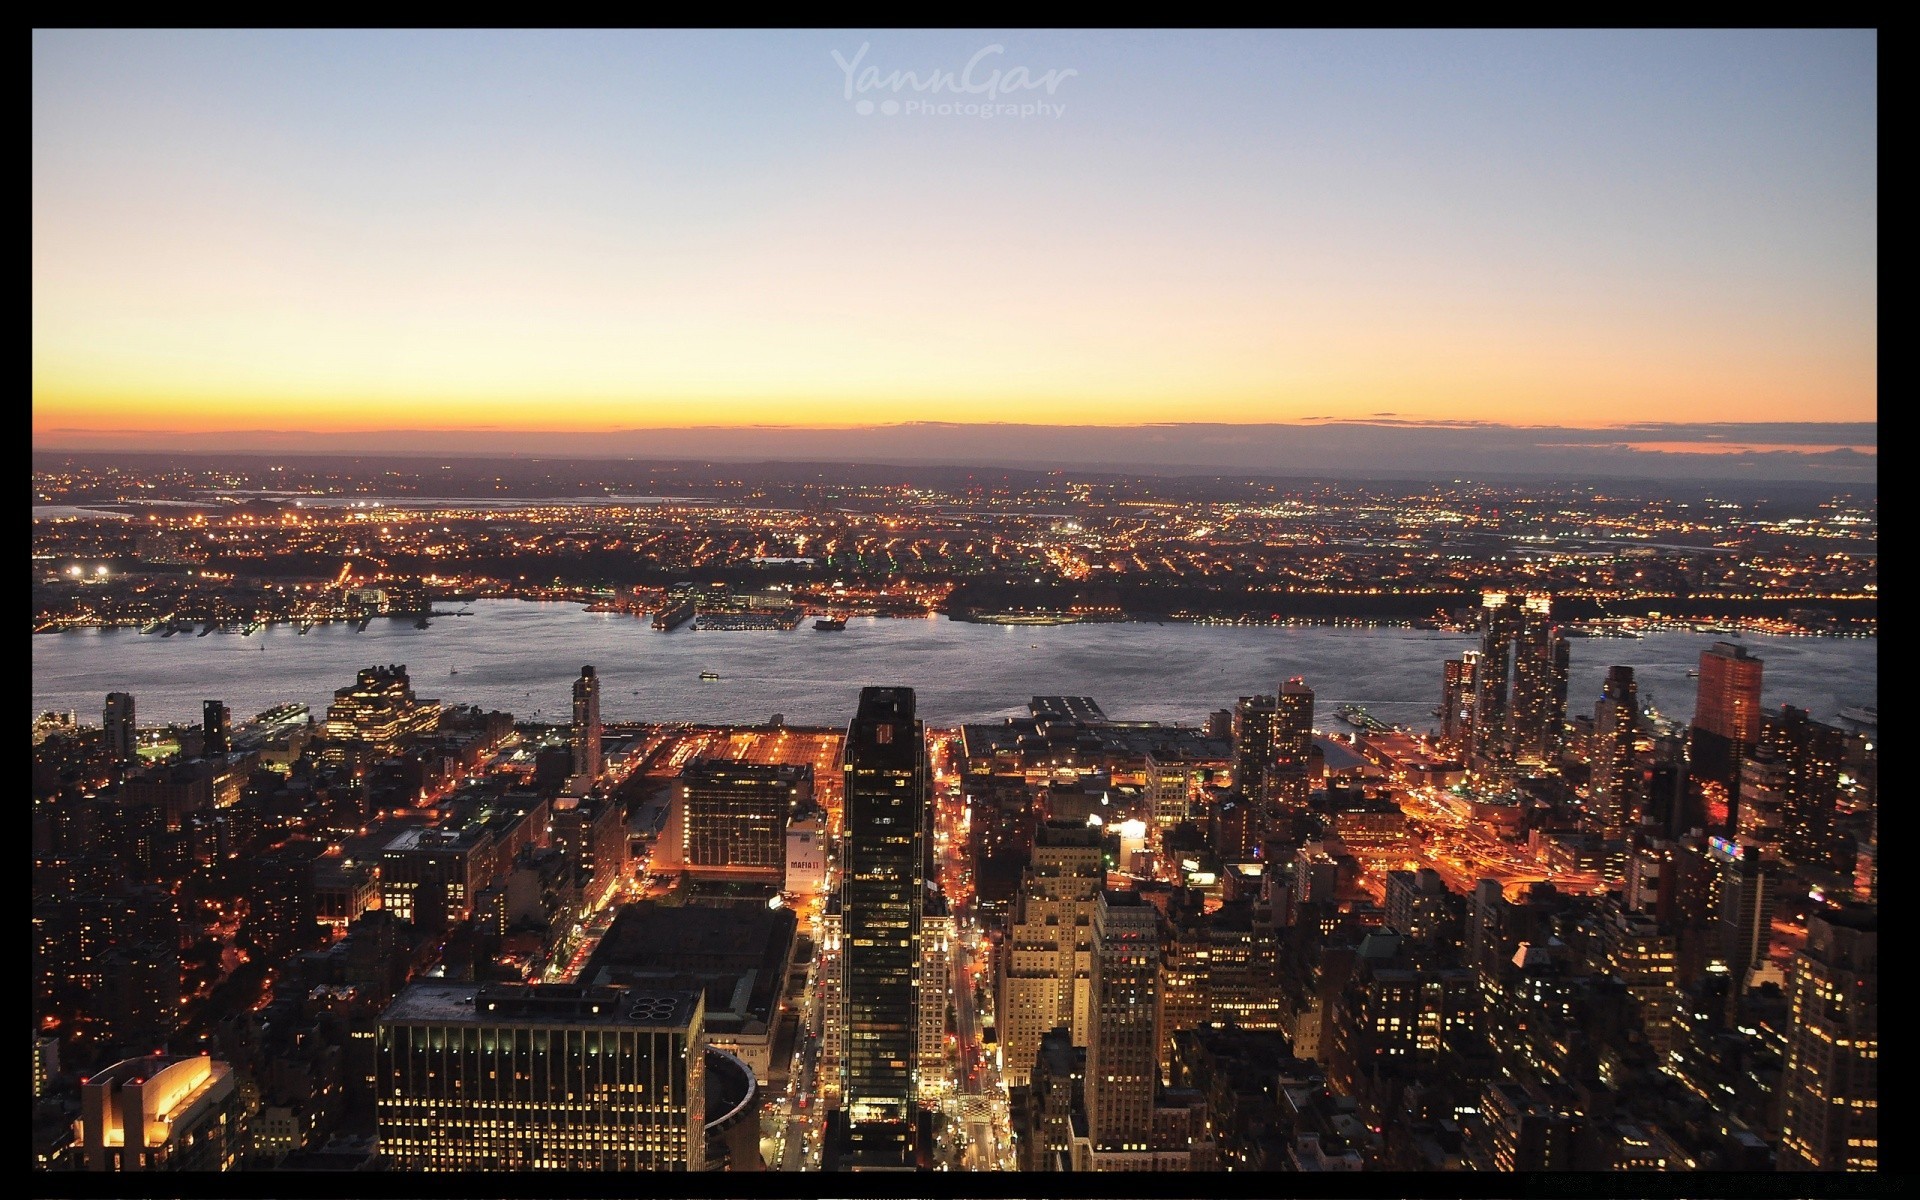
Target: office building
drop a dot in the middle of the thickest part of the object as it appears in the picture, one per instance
(1456, 701)
(885, 857)
(1831, 1098)
(1615, 785)
(1747, 889)
(937, 934)
(1811, 754)
(1293, 723)
(1520, 684)
(541, 1077)
(216, 729)
(584, 739)
(1122, 1052)
(1045, 965)
(1728, 700)
(1254, 718)
(378, 713)
(734, 817)
(122, 738)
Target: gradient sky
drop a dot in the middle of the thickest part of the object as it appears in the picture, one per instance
(572, 231)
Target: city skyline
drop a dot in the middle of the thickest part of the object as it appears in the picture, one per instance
(955, 601)
(357, 233)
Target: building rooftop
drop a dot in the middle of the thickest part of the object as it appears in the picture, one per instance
(444, 1002)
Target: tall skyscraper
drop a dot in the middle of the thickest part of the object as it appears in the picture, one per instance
(1122, 1053)
(1520, 683)
(216, 728)
(585, 740)
(1456, 700)
(936, 991)
(1830, 1118)
(542, 1077)
(1749, 889)
(1728, 701)
(1541, 656)
(882, 892)
(1288, 783)
(1046, 964)
(1293, 722)
(1812, 753)
(1616, 779)
(1253, 728)
(122, 738)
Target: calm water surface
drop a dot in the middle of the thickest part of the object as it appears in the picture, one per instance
(522, 657)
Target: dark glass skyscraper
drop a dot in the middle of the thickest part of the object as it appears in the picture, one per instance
(884, 857)
(1616, 777)
(216, 727)
(117, 716)
(586, 724)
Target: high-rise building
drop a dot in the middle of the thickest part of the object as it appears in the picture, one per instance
(1293, 722)
(1616, 781)
(885, 855)
(585, 735)
(216, 728)
(1456, 700)
(1122, 1053)
(122, 738)
(1172, 782)
(1811, 753)
(828, 1010)
(1541, 655)
(46, 1063)
(1831, 1100)
(542, 1077)
(591, 834)
(1288, 780)
(1253, 730)
(1046, 963)
(1728, 700)
(734, 816)
(1642, 955)
(1748, 888)
(1520, 684)
(936, 991)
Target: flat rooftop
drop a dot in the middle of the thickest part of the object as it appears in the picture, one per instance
(436, 1002)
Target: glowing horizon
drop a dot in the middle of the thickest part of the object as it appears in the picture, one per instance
(356, 232)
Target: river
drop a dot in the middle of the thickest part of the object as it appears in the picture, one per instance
(522, 656)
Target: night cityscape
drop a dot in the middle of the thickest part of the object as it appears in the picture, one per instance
(806, 736)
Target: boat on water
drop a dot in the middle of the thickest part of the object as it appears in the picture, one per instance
(453, 670)
(709, 676)
(830, 623)
(1861, 714)
(1360, 718)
